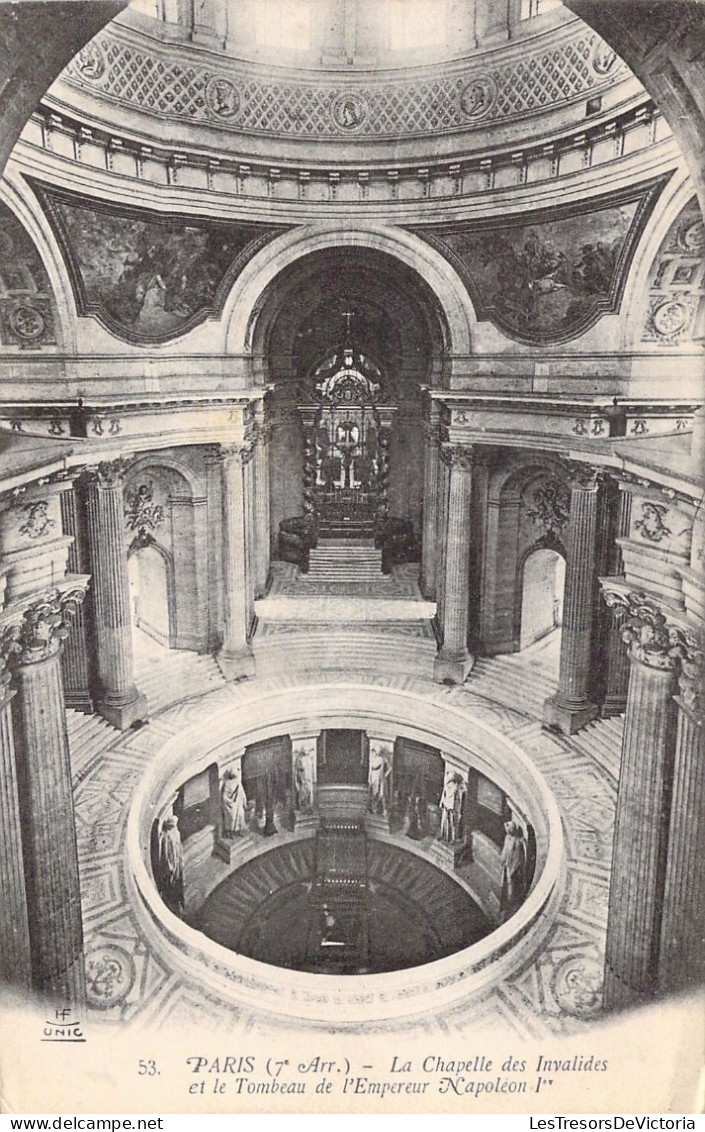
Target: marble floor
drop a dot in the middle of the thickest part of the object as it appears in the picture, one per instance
(558, 992)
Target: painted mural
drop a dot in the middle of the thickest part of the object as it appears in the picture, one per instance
(547, 278)
(26, 299)
(146, 276)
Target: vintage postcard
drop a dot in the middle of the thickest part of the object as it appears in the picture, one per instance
(351, 557)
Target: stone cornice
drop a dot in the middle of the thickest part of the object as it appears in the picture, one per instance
(34, 632)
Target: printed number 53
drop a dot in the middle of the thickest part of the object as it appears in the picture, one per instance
(147, 1069)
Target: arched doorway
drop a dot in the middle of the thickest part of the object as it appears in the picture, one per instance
(543, 580)
(150, 599)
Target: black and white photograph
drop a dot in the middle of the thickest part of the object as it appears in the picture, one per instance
(352, 452)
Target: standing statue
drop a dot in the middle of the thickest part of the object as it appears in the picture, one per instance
(513, 862)
(233, 803)
(378, 779)
(451, 806)
(303, 779)
(171, 867)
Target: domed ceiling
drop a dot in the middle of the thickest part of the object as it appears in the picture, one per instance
(344, 72)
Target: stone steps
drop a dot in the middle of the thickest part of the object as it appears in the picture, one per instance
(514, 681)
(329, 648)
(89, 735)
(601, 741)
(176, 675)
(340, 561)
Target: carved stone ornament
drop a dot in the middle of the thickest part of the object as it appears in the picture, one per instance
(583, 476)
(457, 456)
(108, 473)
(243, 452)
(651, 523)
(222, 97)
(42, 629)
(651, 639)
(140, 510)
(37, 521)
(550, 506)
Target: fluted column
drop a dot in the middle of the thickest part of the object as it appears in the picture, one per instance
(643, 805)
(682, 954)
(569, 708)
(119, 700)
(235, 657)
(429, 542)
(15, 955)
(454, 661)
(46, 797)
(616, 657)
(261, 508)
(77, 651)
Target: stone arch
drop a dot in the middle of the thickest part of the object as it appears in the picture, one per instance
(636, 296)
(547, 543)
(17, 196)
(138, 550)
(510, 537)
(244, 305)
(180, 535)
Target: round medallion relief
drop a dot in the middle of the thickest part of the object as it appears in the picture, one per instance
(478, 97)
(349, 111)
(222, 97)
(577, 984)
(91, 62)
(692, 237)
(27, 322)
(110, 974)
(669, 318)
(603, 57)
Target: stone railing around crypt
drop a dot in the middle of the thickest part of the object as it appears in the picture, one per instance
(369, 708)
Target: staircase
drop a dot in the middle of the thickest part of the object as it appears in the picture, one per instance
(173, 675)
(520, 680)
(89, 736)
(339, 561)
(601, 741)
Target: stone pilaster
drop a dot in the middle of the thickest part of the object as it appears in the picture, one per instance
(15, 954)
(682, 953)
(235, 657)
(212, 459)
(454, 661)
(616, 656)
(569, 708)
(33, 647)
(643, 803)
(119, 700)
(429, 541)
(262, 508)
(77, 652)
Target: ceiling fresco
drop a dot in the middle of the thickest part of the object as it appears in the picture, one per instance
(546, 277)
(148, 277)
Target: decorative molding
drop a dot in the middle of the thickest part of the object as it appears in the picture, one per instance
(677, 281)
(44, 625)
(691, 682)
(159, 81)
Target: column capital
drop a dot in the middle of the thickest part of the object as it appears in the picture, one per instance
(652, 639)
(581, 476)
(42, 628)
(108, 473)
(458, 456)
(239, 451)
